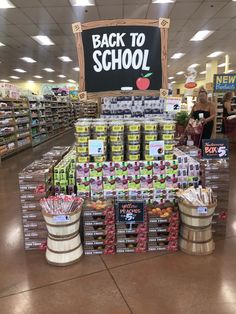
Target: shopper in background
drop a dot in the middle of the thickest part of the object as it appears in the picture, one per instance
(205, 112)
(227, 108)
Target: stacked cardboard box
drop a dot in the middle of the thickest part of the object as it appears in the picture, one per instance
(215, 175)
(99, 227)
(36, 182)
(163, 228)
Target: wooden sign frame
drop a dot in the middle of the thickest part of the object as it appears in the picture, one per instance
(78, 28)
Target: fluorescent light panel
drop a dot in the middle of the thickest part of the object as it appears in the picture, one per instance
(65, 59)
(194, 65)
(180, 73)
(61, 75)
(230, 71)
(201, 35)
(171, 78)
(203, 72)
(81, 3)
(30, 81)
(215, 54)
(163, 1)
(6, 4)
(28, 60)
(38, 76)
(5, 81)
(222, 65)
(43, 40)
(2, 44)
(178, 55)
(50, 81)
(19, 70)
(15, 77)
(172, 82)
(48, 70)
(71, 81)
(76, 69)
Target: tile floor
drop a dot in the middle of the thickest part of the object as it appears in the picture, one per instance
(169, 283)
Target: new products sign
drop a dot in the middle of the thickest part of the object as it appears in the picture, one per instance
(122, 56)
(215, 149)
(224, 82)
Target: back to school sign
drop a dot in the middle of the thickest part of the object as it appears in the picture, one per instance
(121, 55)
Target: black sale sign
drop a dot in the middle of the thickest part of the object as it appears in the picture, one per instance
(215, 149)
(118, 57)
(130, 211)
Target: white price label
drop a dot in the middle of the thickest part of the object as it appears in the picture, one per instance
(222, 151)
(61, 218)
(156, 148)
(96, 147)
(202, 210)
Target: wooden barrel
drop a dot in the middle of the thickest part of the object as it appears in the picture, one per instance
(196, 241)
(196, 216)
(64, 251)
(62, 225)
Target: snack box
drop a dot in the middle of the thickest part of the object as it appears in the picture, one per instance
(98, 207)
(146, 167)
(133, 168)
(34, 225)
(100, 240)
(163, 246)
(131, 248)
(108, 169)
(34, 244)
(164, 238)
(99, 230)
(121, 168)
(38, 234)
(82, 170)
(32, 215)
(99, 220)
(132, 238)
(95, 169)
(123, 228)
(99, 249)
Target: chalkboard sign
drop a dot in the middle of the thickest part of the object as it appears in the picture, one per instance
(130, 211)
(224, 82)
(122, 56)
(215, 149)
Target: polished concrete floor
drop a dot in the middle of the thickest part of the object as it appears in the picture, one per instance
(170, 283)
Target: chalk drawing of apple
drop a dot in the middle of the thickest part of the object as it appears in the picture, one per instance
(143, 82)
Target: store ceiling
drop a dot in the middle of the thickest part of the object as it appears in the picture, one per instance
(54, 18)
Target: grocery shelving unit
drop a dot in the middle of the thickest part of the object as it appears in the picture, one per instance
(49, 118)
(15, 134)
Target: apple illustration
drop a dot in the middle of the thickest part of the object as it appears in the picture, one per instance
(143, 82)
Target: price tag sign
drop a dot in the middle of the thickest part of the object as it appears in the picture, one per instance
(173, 104)
(61, 218)
(96, 147)
(130, 211)
(156, 148)
(202, 210)
(215, 149)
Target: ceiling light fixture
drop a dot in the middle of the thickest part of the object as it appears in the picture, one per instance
(71, 81)
(222, 65)
(6, 4)
(81, 3)
(30, 82)
(5, 81)
(178, 55)
(76, 69)
(173, 82)
(28, 60)
(203, 72)
(180, 73)
(38, 76)
(50, 81)
(48, 70)
(201, 35)
(65, 59)
(230, 71)
(19, 70)
(194, 65)
(43, 40)
(215, 54)
(163, 1)
(171, 78)
(61, 75)
(2, 45)
(15, 77)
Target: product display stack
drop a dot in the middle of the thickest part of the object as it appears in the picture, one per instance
(215, 175)
(64, 174)
(36, 182)
(99, 227)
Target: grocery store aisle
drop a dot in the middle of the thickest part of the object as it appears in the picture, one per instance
(136, 283)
